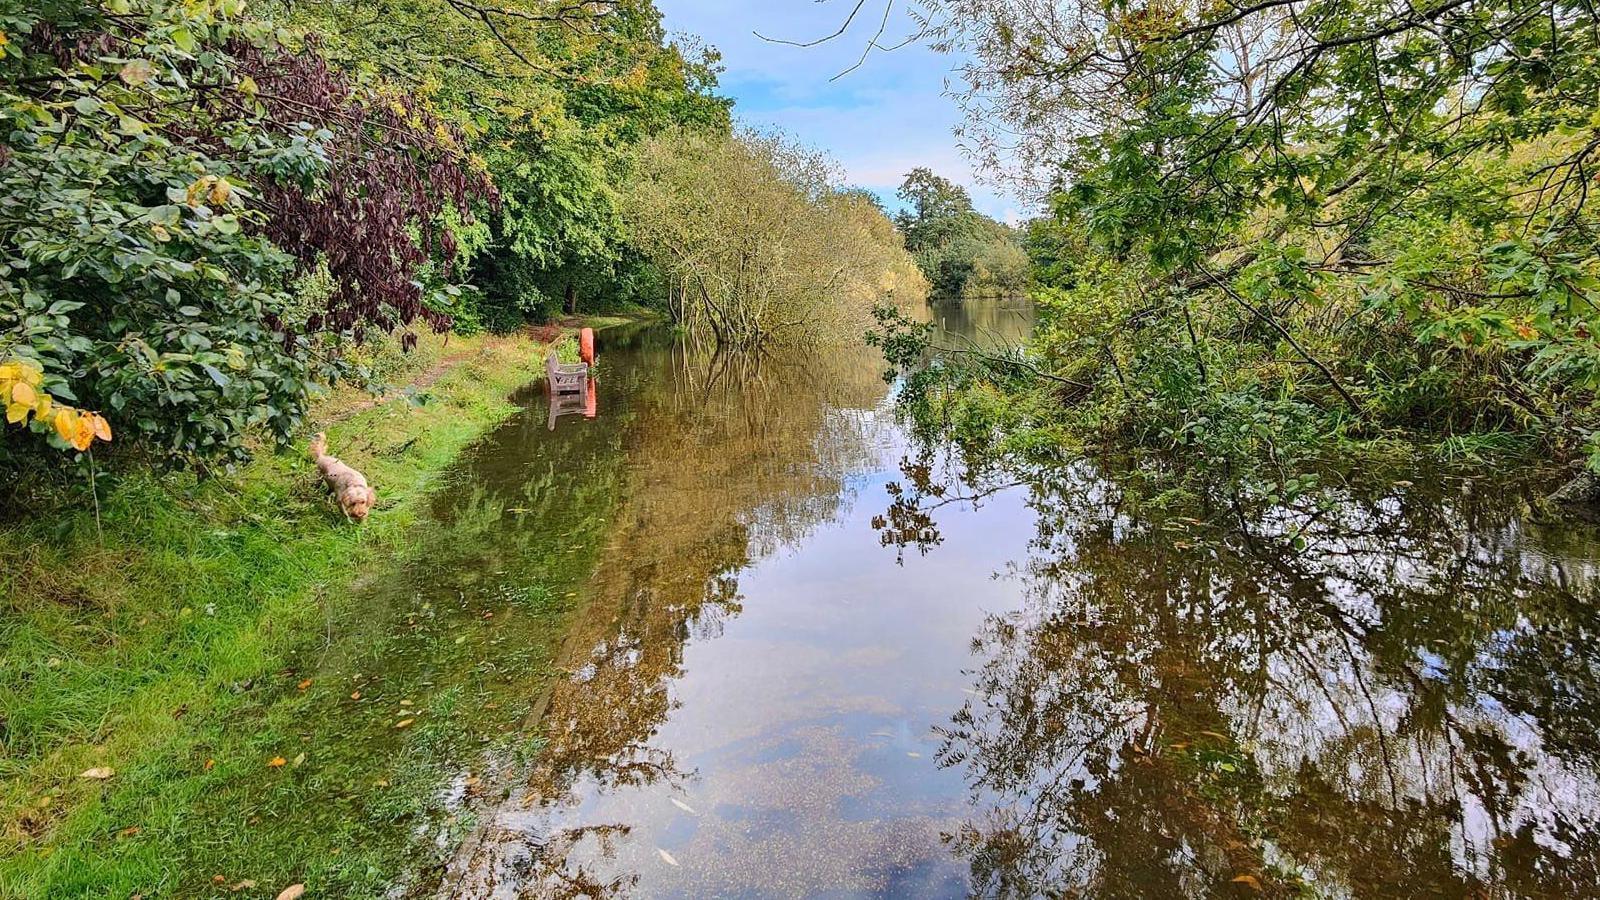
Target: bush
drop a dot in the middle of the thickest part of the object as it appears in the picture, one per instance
(157, 155)
(128, 270)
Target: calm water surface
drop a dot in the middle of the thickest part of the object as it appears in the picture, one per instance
(810, 660)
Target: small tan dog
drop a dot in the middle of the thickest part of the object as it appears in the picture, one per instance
(349, 487)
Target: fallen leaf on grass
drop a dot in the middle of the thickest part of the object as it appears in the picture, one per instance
(98, 773)
(299, 759)
(210, 764)
(404, 723)
(277, 762)
(129, 832)
(304, 684)
(355, 696)
(666, 857)
(1251, 880)
(292, 892)
(244, 885)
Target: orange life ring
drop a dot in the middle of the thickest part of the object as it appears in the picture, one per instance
(586, 345)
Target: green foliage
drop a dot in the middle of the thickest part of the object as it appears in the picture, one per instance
(1284, 233)
(160, 157)
(962, 252)
(129, 267)
(555, 99)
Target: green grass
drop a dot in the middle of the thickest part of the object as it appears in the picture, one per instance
(219, 625)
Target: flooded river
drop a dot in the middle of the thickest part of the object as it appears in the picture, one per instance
(807, 658)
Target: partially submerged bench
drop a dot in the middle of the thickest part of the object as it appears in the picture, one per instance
(565, 379)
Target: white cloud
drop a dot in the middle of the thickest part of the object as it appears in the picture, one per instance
(879, 121)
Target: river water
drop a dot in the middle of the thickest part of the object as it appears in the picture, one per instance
(807, 658)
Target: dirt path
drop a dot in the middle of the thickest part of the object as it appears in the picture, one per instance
(426, 378)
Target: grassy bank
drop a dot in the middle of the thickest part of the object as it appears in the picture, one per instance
(204, 653)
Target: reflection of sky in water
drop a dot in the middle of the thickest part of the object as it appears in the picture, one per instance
(806, 723)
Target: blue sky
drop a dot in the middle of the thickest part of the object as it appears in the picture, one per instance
(879, 122)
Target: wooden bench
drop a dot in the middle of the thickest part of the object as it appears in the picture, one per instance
(565, 379)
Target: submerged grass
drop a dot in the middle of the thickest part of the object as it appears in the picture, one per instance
(265, 723)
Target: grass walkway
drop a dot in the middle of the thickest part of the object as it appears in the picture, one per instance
(178, 661)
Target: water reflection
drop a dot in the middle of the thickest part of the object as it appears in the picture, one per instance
(730, 458)
(1044, 686)
(1390, 695)
(991, 323)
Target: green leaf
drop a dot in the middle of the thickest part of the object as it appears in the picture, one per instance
(184, 38)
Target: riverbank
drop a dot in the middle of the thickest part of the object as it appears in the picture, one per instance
(159, 674)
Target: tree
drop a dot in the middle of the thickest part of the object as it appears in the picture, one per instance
(758, 244)
(553, 96)
(949, 238)
(1337, 217)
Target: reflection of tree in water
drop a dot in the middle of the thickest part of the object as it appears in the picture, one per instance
(728, 459)
(1407, 706)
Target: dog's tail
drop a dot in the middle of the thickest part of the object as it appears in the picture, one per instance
(319, 445)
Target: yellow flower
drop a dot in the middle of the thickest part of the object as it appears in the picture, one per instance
(22, 392)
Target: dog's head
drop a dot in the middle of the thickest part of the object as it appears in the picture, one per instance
(357, 501)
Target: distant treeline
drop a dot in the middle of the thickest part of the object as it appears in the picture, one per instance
(963, 252)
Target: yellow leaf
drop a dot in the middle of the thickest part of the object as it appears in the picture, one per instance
(198, 189)
(42, 406)
(102, 428)
(67, 423)
(22, 392)
(98, 773)
(17, 413)
(221, 190)
(84, 436)
(292, 892)
(247, 86)
(1253, 882)
(277, 762)
(10, 371)
(404, 723)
